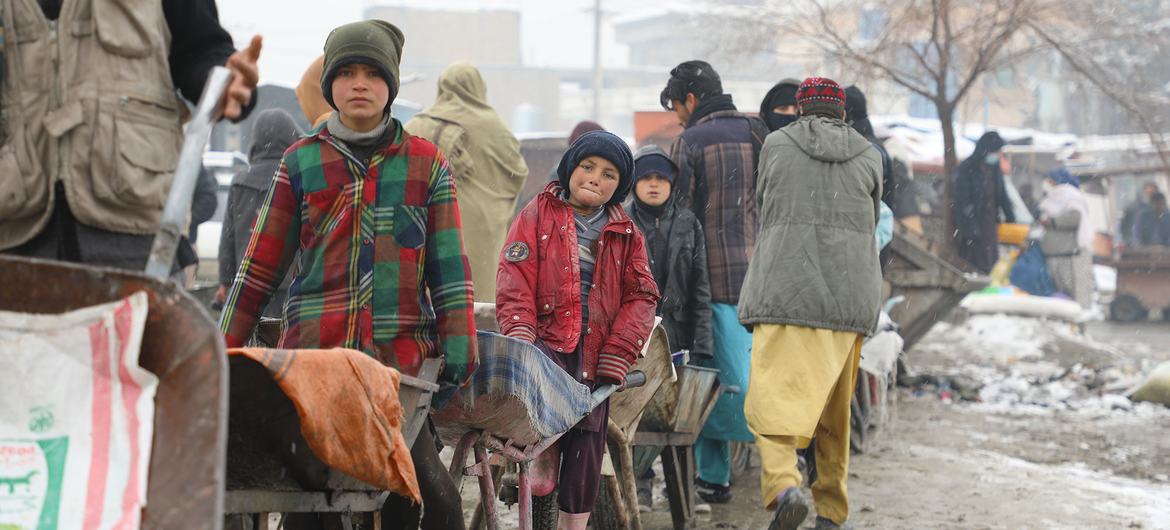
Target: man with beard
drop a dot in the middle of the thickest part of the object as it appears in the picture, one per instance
(716, 156)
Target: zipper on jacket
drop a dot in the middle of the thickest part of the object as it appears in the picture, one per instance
(55, 99)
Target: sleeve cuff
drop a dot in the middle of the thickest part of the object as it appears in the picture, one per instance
(613, 366)
(522, 332)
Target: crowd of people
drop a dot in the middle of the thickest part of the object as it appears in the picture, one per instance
(756, 238)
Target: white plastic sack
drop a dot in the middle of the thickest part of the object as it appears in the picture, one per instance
(1033, 306)
(76, 418)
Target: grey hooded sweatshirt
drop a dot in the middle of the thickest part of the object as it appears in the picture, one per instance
(815, 264)
(273, 133)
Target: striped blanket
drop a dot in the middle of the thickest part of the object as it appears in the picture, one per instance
(516, 393)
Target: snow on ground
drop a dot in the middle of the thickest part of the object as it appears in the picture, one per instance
(1031, 365)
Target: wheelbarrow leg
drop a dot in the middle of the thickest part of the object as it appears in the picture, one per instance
(487, 489)
(525, 498)
(678, 470)
(477, 518)
(459, 458)
(624, 473)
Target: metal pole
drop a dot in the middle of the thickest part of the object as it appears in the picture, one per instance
(173, 223)
(597, 60)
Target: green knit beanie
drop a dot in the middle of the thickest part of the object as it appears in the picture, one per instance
(375, 43)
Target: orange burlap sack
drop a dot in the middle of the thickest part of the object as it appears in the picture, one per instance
(349, 410)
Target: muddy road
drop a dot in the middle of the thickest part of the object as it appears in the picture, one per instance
(1057, 455)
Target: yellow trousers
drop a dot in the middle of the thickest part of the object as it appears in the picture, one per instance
(802, 386)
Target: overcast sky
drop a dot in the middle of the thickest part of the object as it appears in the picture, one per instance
(295, 30)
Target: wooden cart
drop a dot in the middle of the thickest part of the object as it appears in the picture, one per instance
(932, 284)
(1143, 284)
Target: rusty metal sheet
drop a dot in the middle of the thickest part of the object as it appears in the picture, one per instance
(184, 348)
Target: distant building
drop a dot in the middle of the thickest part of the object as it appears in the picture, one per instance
(490, 38)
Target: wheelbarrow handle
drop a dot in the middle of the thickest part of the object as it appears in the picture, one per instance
(634, 379)
(173, 223)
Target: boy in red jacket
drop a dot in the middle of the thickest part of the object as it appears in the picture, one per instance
(574, 279)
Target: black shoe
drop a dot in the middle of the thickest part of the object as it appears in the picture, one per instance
(824, 523)
(790, 511)
(712, 493)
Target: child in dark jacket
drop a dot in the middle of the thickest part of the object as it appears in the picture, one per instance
(574, 279)
(678, 254)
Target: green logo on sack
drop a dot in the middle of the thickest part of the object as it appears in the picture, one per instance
(40, 420)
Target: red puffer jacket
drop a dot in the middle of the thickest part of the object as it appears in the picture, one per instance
(538, 287)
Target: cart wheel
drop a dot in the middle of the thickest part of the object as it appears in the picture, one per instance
(1127, 308)
(545, 512)
(604, 517)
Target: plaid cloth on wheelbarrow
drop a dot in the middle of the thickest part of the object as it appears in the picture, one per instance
(517, 393)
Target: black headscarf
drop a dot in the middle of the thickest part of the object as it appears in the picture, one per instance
(608, 146)
(781, 95)
(969, 193)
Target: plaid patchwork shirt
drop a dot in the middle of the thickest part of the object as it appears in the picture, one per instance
(717, 181)
(382, 267)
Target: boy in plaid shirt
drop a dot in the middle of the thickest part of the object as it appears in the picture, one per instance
(382, 267)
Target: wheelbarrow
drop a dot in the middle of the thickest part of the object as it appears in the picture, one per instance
(617, 505)
(669, 428)
(184, 348)
(519, 404)
(181, 345)
(270, 468)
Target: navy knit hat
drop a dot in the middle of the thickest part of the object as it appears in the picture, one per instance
(606, 145)
(652, 159)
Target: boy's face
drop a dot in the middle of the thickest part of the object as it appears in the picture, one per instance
(653, 190)
(593, 183)
(360, 94)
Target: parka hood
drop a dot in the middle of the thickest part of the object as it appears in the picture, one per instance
(827, 139)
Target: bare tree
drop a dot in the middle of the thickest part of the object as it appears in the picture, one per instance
(937, 49)
(1120, 49)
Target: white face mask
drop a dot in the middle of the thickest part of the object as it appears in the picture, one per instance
(1047, 186)
(992, 159)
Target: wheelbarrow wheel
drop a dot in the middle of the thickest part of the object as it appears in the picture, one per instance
(1127, 308)
(545, 512)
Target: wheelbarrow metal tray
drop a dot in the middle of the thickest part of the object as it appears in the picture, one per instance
(184, 348)
(626, 407)
(516, 394)
(679, 407)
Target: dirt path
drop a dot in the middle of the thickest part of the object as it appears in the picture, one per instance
(959, 466)
(1006, 465)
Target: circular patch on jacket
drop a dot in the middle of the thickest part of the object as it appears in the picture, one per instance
(517, 252)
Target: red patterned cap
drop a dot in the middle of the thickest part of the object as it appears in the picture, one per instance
(820, 93)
